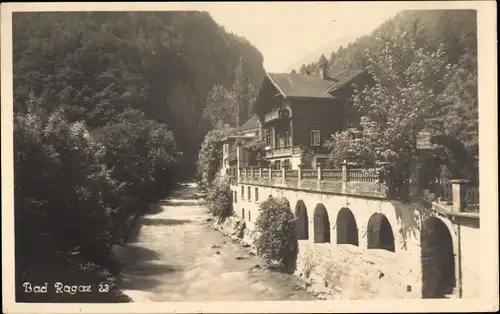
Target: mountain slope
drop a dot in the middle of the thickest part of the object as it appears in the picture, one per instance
(96, 64)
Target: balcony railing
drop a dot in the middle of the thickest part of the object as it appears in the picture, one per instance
(276, 115)
(471, 199)
(350, 181)
(279, 151)
(284, 151)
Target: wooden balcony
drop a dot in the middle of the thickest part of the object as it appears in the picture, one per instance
(285, 151)
(280, 151)
(276, 114)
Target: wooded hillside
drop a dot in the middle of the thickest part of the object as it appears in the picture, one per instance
(98, 63)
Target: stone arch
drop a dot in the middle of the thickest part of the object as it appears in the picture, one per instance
(437, 259)
(302, 221)
(380, 235)
(347, 229)
(321, 224)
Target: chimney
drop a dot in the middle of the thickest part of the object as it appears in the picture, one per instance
(323, 70)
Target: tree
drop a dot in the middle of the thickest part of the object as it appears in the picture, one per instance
(303, 69)
(396, 107)
(322, 59)
(220, 107)
(244, 93)
(210, 155)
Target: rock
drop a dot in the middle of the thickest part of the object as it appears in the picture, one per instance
(245, 245)
(239, 257)
(257, 266)
(380, 275)
(408, 288)
(215, 246)
(252, 253)
(208, 219)
(217, 252)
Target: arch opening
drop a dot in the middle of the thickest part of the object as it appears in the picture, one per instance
(347, 229)
(321, 224)
(437, 259)
(302, 221)
(380, 235)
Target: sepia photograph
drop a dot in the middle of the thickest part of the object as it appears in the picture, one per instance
(308, 154)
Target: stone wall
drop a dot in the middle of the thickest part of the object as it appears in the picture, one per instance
(348, 272)
(401, 268)
(470, 249)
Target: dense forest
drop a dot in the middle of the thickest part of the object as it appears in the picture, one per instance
(108, 116)
(424, 63)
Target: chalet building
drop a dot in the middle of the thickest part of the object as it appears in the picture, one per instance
(299, 112)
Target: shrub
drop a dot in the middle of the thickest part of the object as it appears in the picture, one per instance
(277, 242)
(219, 198)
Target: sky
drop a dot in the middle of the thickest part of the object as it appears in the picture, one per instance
(285, 32)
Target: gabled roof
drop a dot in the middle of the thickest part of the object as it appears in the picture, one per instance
(298, 85)
(344, 80)
(311, 86)
(250, 124)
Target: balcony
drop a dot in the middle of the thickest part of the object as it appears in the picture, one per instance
(279, 152)
(285, 151)
(276, 115)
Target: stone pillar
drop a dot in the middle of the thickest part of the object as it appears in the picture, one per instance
(458, 188)
(238, 164)
(270, 170)
(320, 174)
(283, 175)
(345, 177)
(260, 173)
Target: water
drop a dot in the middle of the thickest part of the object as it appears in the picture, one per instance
(173, 259)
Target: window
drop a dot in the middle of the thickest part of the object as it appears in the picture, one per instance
(242, 192)
(256, 194)
(286, 164)
(314, 137)
(243, 213)
(226, 148)
(268, 138)
(249, 217)
(249, 193)
(351, 125)
(277, 164)
(235, 197)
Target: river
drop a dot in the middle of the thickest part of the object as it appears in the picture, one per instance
(175, 255)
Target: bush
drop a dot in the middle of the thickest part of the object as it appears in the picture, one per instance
(219, 198)
(277, 242)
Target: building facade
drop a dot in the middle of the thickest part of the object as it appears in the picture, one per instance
(299, 112)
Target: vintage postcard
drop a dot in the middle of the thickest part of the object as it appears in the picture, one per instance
(266, 157)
